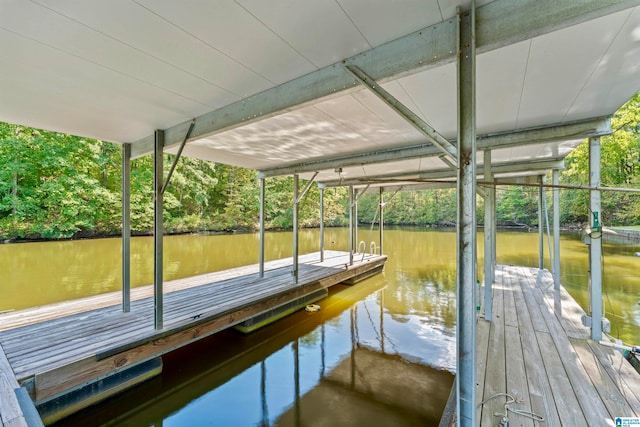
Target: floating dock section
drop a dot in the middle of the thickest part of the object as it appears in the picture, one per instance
(69, 355)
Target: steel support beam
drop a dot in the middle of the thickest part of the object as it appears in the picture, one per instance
(158, 230)
(381, 227)
(596, 241)
(577, 130)
(500, 23)
(489, 237)
(351, 203)
(126, 228)
(498, 169)
(540, 225)
(555, 180)
(261, 254)
(466, 224)
(321, 224)
(356, 197)
(294, 272)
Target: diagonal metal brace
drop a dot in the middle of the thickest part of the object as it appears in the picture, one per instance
(359, 194)
(306, 188)
(413, 119)
(178, 154)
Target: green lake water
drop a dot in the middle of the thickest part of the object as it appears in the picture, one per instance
(378, 353)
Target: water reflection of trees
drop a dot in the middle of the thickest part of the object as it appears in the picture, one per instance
(428, 292)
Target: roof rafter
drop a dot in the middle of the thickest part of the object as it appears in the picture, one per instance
(499, 23)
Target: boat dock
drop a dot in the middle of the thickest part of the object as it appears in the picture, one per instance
(537, 350)
(66, 354)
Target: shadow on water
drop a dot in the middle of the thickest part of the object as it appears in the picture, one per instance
(343, 366)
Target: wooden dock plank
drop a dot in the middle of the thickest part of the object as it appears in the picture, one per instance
(540, 391)
(516, 376)
(609, 392)
(592, 405)
(620, 372)
(563, 393)
(482, 346)
(495, 377)
(10, 410)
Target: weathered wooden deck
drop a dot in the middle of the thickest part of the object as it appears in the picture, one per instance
(537, 350)
(56, 348)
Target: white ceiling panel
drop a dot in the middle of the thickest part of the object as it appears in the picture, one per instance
(618, 70)
(112, 104)
(65, 35)
(560, 65)
(500, 78)
(319, 30)
(433, 92)
(381, 21)
(233, 32)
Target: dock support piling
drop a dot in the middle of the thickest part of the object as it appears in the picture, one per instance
(489, 237)
(296, 183)
(596, 240)
(381, 228)
(556, 229)
(351, 241)
(261, 254)
(321, 224)
(540, 225)
(126, 227)
(158, 228)
(466, 226)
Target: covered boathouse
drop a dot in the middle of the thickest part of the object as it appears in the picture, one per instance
(371, 95)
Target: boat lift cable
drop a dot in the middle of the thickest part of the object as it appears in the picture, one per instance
(375, 216)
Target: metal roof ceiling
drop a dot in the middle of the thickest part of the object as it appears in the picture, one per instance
(266, 83)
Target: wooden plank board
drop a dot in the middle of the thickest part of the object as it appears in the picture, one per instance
(540, 393)
(10, 411)
(621, 373)
(592, 405)
(482, 346)
(563, 393)
(495, 377)
(609, 392)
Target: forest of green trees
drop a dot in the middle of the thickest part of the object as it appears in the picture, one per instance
(54, 185)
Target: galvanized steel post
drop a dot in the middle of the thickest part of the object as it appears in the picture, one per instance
(321, 224)
(381, 220)
(126, 228)
(596, 240)
(489, 237)
(466, 227)
(261, 255)
(556, 229)
(296, 182)
(540, 225)
(351, 225)
(158, 228)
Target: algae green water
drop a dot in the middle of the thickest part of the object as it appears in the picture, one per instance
(378, 353)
